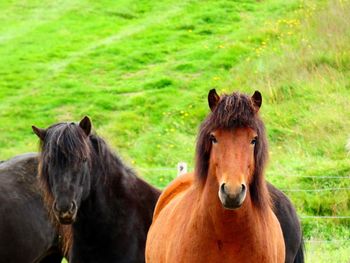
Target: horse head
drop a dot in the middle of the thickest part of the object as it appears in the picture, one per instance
(232, 147)
(64, 167)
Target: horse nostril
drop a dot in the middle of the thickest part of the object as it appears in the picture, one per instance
(55, 208)
(222, 188)
(243, 188)
(72, 206)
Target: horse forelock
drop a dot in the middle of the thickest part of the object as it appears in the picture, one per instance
(234, 111)
(66, 142)
(65, 231)
(64, 146)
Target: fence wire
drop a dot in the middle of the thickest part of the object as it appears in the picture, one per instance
(284, 190)
(295, 176)
(316, 189)
(316, 241)
(325, 217)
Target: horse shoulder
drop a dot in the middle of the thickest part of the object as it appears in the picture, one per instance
(171, 219)
(180, 184)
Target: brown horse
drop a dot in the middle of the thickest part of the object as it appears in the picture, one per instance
(224, 214)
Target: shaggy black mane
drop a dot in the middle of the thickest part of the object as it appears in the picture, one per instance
(66, 144)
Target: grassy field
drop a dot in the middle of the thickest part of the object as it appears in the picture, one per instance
(142, 70)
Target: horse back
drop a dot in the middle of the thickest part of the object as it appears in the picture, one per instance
(24, 222)
(179, 185)
(170, 219)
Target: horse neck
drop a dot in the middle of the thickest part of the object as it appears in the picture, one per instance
(107, 170)
(228, 225)
(98, 214)
(108, 176)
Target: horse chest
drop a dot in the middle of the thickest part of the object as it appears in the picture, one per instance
(106, 237)
(206, 249)
(124, 248)
(193, 239)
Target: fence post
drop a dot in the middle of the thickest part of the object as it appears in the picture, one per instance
(181, 168)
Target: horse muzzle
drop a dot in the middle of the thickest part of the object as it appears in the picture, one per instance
(65, 214)
(232, 199)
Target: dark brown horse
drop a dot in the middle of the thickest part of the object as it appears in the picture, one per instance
(224, 212)
(87, 187)
(290, 224)
(26, 233)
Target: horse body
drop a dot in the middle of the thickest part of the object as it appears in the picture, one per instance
(282, 207)
(26, 233)
(225, 214)
(106, 206)
(195, 210)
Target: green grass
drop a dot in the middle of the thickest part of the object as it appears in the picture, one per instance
(142, 70)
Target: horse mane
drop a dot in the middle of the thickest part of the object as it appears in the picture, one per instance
(64, 144)
(233, 111)
(67, 144)
(108, 165)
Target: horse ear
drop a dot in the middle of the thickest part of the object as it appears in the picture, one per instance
(85, 124)
(257, 100)
(213, 99)
(41, 133)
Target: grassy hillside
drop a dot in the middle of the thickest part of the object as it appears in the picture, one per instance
(142, 70)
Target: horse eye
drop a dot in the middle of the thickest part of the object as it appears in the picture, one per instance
(213, 139)
(253, 142)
